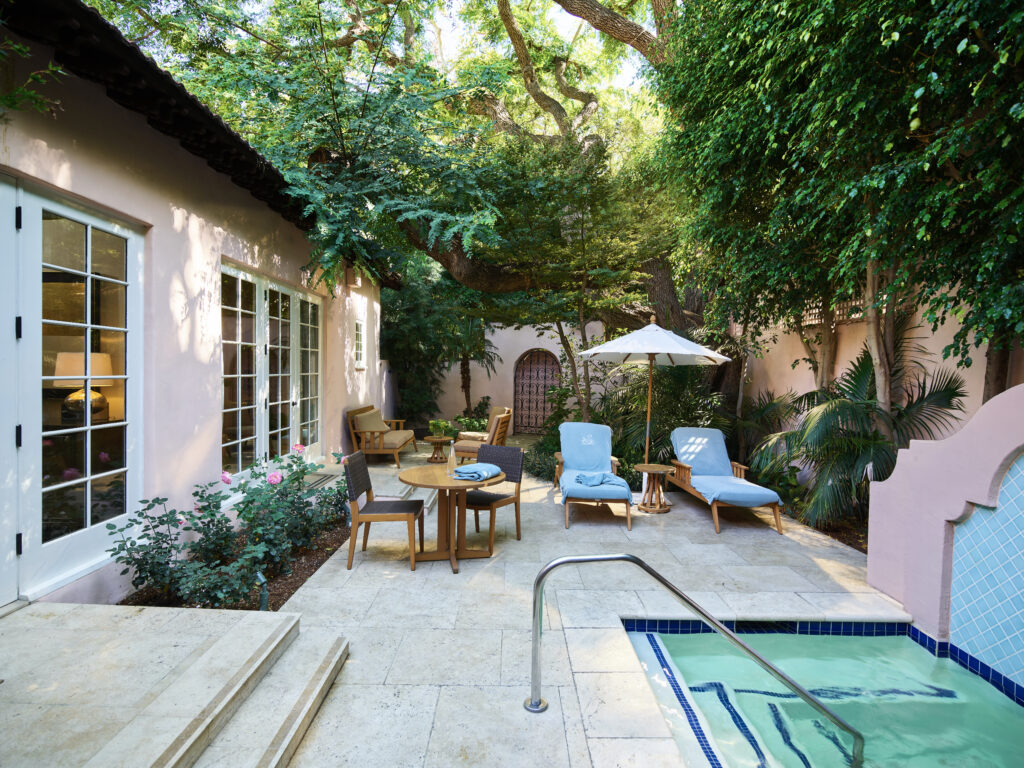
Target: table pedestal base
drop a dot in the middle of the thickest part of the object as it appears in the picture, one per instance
(654, 501)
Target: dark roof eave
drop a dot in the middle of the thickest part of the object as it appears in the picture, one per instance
(87, 45)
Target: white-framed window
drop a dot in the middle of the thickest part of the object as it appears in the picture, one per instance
(358, 345)
(76, 357)
(271, 340)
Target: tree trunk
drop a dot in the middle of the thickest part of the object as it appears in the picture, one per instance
(874, 320)
(466, 383)
(574, 373)
(617, 26)
(997, 366)
(741, 437)
(661, 290)
(829, 342)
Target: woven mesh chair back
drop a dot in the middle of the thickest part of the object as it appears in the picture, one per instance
(507, 458)
(357, 475)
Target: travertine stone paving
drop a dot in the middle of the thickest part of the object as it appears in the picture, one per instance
(439, 663)
(101, 685)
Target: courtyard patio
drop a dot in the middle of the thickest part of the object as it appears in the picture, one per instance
(439, 663)
(434, 666)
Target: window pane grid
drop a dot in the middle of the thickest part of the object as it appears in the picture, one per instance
(267, 407)
(238, 435)
(84, 375)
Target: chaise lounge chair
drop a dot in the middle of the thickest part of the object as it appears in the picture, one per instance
(586, 470)
(702, 468)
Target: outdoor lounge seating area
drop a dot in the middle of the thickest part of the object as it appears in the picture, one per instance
(570, 304)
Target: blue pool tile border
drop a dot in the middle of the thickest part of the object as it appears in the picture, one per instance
(691, 715)
(939, 648)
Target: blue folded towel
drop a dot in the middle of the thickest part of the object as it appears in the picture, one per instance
(478, 471)
(599, 478)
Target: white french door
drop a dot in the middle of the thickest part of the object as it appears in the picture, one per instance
(271, 340)
(9, 490)
(77, 369)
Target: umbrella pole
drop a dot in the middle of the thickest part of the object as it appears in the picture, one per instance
(650, 383)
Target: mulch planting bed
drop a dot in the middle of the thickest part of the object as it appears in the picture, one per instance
(281, 587)
(852, 533)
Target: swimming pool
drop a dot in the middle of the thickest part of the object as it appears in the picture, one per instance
(914, 709)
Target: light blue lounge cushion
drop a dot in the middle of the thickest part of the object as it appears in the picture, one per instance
(477, 471)
(610, 487)
(596, 478)
(733, 490)
(586, 447)
(703, 449)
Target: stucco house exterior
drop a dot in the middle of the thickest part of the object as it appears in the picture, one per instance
(158, 325)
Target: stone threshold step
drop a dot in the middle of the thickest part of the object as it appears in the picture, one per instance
(268, 726)
(175, 728)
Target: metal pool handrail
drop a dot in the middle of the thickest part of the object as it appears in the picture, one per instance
(536, 704)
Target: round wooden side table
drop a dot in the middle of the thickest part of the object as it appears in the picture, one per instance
(653, 501)
(438, 442)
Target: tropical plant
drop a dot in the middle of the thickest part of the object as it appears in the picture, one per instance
(845, 439)
(467, 342)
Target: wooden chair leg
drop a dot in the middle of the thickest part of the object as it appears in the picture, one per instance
(714, 515)
(567, 513)
(352, 534)
(778, 518)
(412, 545)
(490, 538)
(519, 527)
(366, 534)
(414, 446)
(421, 531)
(629, 517)
(476, 519)
(398, 461)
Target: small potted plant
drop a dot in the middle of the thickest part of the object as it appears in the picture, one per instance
(439, 427)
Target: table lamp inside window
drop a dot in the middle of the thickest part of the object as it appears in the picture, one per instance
(73, 364)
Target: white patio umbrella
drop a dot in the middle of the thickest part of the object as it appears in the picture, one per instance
(653, 345)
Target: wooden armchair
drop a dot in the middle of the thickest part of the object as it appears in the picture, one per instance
(481, 437)
(510, 461)
(372, 434)
(467, 449)
(409, 510)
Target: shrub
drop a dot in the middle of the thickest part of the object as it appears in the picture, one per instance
(155, 547)
(216, 534)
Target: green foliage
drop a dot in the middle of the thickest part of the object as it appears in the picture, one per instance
(440, 427)
(837, 434)
(816, 138)
(215, 532)
(26, 94)
(149, 545)
(217, 566)
(279, 510)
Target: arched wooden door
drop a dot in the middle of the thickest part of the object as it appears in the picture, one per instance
(536, 372)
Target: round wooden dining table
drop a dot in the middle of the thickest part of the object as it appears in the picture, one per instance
(451, 506)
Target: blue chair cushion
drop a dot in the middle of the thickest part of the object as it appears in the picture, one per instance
(586, 447)
(733, 490)
(613, 487)
(703, 449)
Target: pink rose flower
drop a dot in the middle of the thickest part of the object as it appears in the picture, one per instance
(298, 447)
(225, 478)
(274, 478)
(343, 458)
(104, 457)
(71, 473)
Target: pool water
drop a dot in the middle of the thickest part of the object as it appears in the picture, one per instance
(915, 710)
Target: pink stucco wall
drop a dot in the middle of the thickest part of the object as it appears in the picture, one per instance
(510, 344)
(193, 219)
(935, 485)
(773, 368)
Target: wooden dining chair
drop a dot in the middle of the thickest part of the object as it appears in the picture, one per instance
(510, 461)
(410, 510)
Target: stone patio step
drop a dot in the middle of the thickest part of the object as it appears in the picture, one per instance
(179, 724)
(268, 726)
(110, 686)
